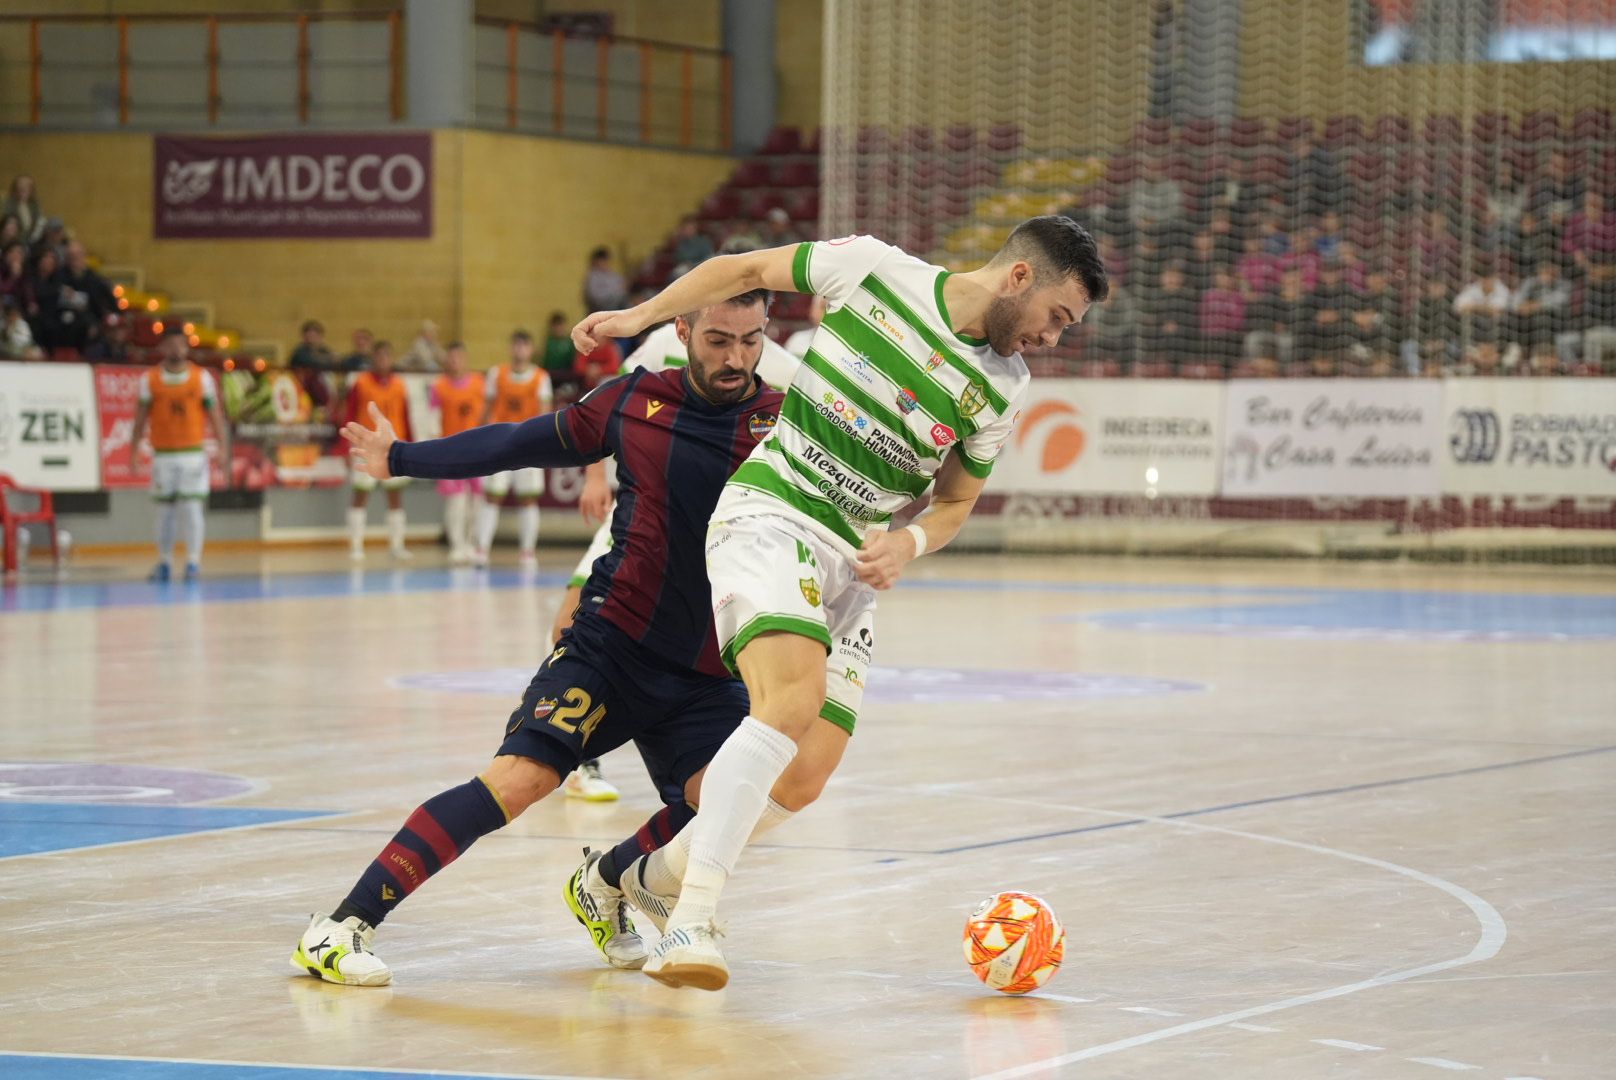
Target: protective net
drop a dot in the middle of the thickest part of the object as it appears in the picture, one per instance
(1363, 255)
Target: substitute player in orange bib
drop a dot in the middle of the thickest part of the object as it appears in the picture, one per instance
(379, 386)
(458, 396)
(517, 391)
(180, 402)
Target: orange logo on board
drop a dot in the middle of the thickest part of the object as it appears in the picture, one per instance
(1063, 445)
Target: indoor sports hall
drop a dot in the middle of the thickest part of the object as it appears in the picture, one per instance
(1277, 660)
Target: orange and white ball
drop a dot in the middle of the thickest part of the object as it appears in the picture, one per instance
(1014, 942)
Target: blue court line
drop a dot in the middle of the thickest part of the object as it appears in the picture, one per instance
(1346, 789)
(32, 828)
(91, 1067)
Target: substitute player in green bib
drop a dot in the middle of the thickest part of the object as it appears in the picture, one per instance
(911, 383)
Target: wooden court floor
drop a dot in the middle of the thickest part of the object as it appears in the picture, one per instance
(1300, 820)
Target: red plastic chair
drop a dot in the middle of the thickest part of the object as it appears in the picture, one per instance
(10, 519)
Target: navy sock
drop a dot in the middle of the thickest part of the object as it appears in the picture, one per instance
(434, 836)
(658, 832)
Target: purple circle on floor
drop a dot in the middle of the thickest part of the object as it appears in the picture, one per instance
(98, 782)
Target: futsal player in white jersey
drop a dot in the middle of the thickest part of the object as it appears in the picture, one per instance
(911, 384)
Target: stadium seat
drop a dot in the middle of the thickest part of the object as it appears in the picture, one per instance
(1443, 129)
(783, 140)
(1004, 138)
(11, 519)
(1153, 132)
(1246, 131)
(919, 140)
(1591, 123)
(811, 145)
(1343, 131)
(1540, 125)
(751, 174)
(1200, 131)
(1489, 127)
(719, 206)
(1392, 129)
(797, 173)
(959, 139)
(1291, 128)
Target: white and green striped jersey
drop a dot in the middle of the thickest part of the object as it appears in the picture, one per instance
(885, 392)
(661, 349)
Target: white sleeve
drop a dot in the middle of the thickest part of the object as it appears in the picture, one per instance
(653, 353)
(145, 389)
(546, 391)
(491, 384)
(981, 449)
(210, 390)
(834, 268)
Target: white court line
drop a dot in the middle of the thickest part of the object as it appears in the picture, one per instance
(1343, 1044)
(1063, 997)
(1148, 1011)
(1444, 1063)
(1493, 934)
(296, 1065)
(1255, 1027)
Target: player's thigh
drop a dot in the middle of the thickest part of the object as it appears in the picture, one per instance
(528, 483)
(362, 481)
(191, 475)
(395, 483)
(567, 611)
(599, 545)
(573, 710)
(165, 477)
(497, 486)
(678, 746)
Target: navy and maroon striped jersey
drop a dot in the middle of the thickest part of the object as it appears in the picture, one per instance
(674, 452)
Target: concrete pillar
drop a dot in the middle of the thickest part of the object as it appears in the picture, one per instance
(439, 62)
(749, 37)
(1211, 35)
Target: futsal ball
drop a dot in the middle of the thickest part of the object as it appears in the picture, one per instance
(1014, 942)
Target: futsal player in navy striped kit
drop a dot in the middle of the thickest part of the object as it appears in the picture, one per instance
(640, 662)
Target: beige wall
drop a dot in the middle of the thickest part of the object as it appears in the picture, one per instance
(798, 47)
(514, 220)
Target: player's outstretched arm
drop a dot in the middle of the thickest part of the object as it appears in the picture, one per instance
(885, 554)
(711, 282)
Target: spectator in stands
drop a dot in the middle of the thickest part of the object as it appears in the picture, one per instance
(10, 231)
(604, 288)
(558, 356)
(16, 338)
(310, 361)
(1328, 309)
(425, 354)
(1481, 357)
(1438, 247)
(1495, 238)
(1223, 317)
(1148, 260)
(55, 239)
(1202, 264)
(1598, 319)
(1542, 309)
(1115, 258)
(14, 273)
(1436, 326)
(1533, 241)
(1381, 295)
(1155, 201)
(1544, 363)
(1168, 322)
(1486, 297)
(1328, 241)
(1114, 325)
(1257, 270)
(1316, 181)
(593, 368)
(112, 346)
(1274, 321)
(797, 343)
(1507, 199)
(1275, 240)
(1302, 257)
(778, 230)
(42, 300)
(359, 358)
(22, 203)
(1354, 271)
(691, 246)
(86, 300)
(1224, 239)
(1557, 192)
(1591, 229)
(1369, 344)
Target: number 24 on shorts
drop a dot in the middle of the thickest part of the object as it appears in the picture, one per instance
(562, 716)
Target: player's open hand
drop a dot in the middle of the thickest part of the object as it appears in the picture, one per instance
(370, 445)
(597, 327)
(595, 504)
(883, 557)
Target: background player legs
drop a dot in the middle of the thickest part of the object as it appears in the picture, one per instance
(487, 524)
(395, 524)
(167, 527)
(191, 526)
(356, 523)
(456, 510)
(527, 529)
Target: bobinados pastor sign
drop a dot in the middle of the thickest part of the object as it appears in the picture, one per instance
(293, 186)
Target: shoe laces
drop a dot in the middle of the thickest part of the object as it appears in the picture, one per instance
(591, 770)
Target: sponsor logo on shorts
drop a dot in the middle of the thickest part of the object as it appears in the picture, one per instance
(810, 591)
(725, 601)
(943, 435)
(545, 706)
(853, 677)
(723, 538)
(879, 317)
(760, 424)
(973, 399)
(907, 403)
(861, 646)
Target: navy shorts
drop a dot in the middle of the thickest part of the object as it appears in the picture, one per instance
(600, 689)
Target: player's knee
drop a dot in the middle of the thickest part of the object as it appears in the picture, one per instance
(790, 703)
(519, 782)
(800, 785)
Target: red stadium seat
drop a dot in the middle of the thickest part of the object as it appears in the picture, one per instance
(719, 206)
(797, 173)
(1200, 131)
(1540, 125)
(1290, 128)
(1004, 138)
(751, 174)
(1489, 127)
(1442, 128)
(1591, 124)
(873, 139)
(1343, 131)
(919, 140)
(812, 143)
(1391, 130)
(1152, 132)
(783, 140)
(10, 519)
(959, 138)
(1246, 131)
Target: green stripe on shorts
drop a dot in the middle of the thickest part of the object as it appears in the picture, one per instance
(839, 714)
(762, 624)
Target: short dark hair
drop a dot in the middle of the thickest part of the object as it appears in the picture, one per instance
(311, 324)
(1058, 247)
(453, 345)
(381, 347)
(175, 329)
(745, 299)
(600, 253)
(521, 335)
(557, 316)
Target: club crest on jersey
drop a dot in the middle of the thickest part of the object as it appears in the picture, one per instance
(907, 402)
(760, 424)
(545, 706)
(652, 407)
(973, 399)
(943, 435)
(934, 361)
(810, 590)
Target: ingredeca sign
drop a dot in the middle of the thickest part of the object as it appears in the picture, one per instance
(304, 186)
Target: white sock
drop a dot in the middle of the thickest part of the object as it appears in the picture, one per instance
(395, 529)
(167, 523)
(733, 795)
(487, 522)
(356, 527)
(527, 525)
(455, 508)
(191, 529)
(665, 867)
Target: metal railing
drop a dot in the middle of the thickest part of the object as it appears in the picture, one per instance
(611, 89)
(238, 69)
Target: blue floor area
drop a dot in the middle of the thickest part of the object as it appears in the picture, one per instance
(28, 828)
(39, 1067)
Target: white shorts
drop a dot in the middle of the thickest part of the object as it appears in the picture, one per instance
(363, 481)
(770, 573)
(600, 545)
(528, 483)
(179, 474)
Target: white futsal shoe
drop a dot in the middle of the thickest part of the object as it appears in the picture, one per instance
(586, 783)
(654, 906)
(599, 909)
(688, 956)
(339, 952)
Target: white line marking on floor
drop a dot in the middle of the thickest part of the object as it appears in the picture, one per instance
(1148, 1011)
(1444, 1063)
(1345, 1045)
(290, 1065)
(1255, 1027)
(1063, 997)
(1488, 943)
